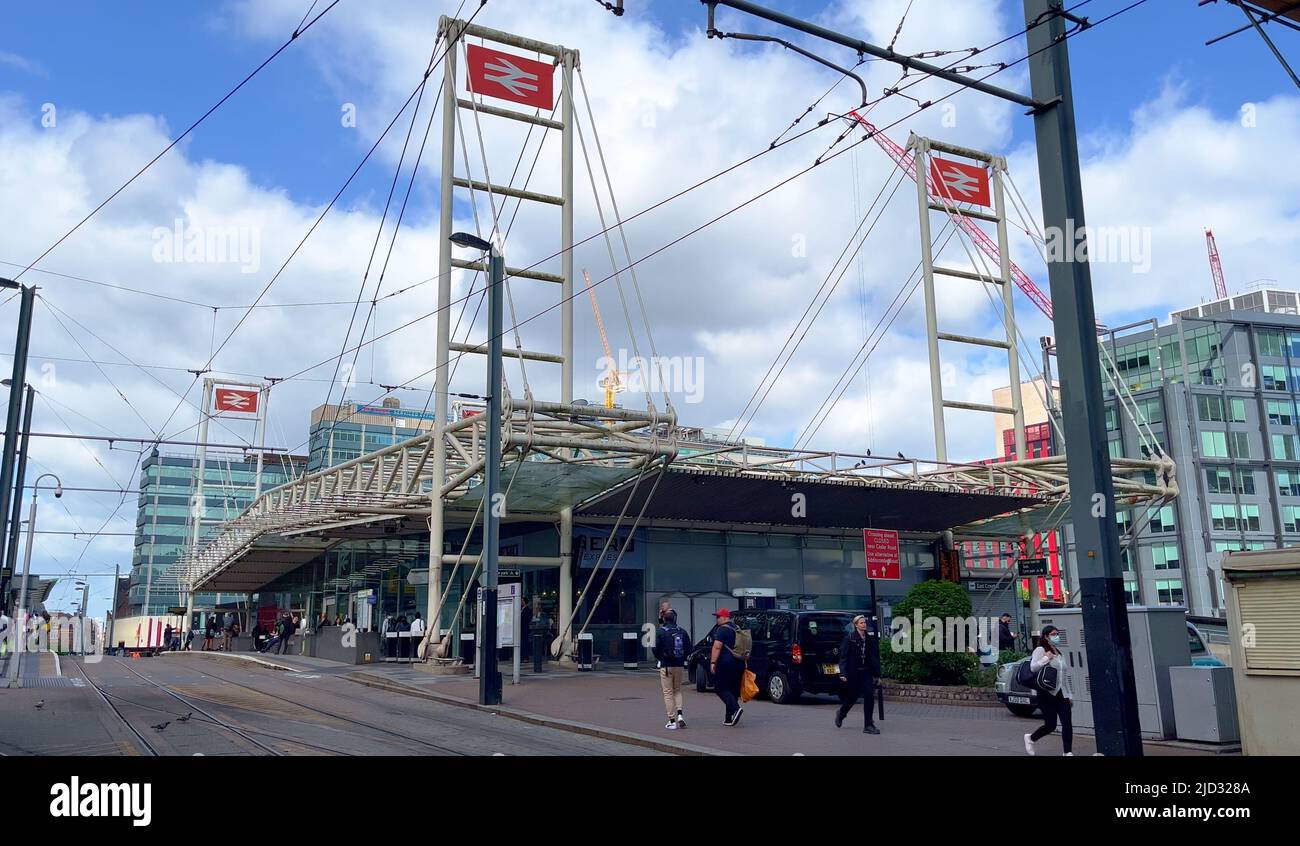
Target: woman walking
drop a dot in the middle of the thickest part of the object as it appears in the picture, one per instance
(859, 672)
(1055, 701)
(726, 669)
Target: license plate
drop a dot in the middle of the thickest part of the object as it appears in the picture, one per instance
(831, 669)
(1018, 700)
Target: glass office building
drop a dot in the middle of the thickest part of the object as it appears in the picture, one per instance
(165, 515)
(341, 432)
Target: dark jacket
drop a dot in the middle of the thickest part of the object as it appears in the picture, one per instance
(859, 656)
(1005, 638)
(663, 648)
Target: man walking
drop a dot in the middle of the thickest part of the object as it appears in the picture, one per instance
(672, 645)
(228, 631)
(726, 669)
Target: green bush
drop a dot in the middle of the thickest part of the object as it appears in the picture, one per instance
(982, 676)
(933, 599)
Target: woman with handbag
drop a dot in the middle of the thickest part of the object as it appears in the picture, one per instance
(1054, 694)
(859, 673)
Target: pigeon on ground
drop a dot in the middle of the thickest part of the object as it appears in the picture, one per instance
(40, 704)
(186, 718)
(162, 726)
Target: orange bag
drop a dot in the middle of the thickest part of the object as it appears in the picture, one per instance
(748, 686)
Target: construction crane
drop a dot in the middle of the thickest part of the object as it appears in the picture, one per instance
(612, 381)
(1216, 267)
(967, 225)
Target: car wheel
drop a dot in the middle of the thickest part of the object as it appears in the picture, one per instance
(779, 689)
(701, 679)
(1021, 710)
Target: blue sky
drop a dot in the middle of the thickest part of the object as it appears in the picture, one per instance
(116, 59)
(1144, 84)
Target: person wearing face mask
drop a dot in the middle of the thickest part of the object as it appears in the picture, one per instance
(1056, 703)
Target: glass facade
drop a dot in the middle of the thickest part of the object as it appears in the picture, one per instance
(166, 508)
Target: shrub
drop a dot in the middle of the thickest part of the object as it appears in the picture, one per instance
(1008, 656)
(933, 599)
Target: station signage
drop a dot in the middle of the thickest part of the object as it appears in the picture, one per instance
(881, 547)
(1032, 566)
(510, 77)
(960, 183)
(236, 400)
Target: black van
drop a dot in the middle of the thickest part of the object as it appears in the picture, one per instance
(795, 652)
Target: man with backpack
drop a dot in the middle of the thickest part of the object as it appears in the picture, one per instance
(731, 648)
(672, 646)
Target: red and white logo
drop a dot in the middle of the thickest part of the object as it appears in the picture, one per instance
(514, 78)
(960, 183)
(233, 399)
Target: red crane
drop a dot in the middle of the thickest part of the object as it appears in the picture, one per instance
(1216, 267)
(976, 234)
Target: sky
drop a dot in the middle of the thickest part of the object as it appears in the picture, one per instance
(1175, 137)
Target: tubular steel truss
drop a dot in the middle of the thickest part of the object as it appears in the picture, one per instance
(399, 479)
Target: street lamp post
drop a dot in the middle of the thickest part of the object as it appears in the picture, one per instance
(15, 512)
(490, 674)
(28, 293)
(20, 613)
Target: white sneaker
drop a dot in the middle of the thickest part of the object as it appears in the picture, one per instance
(671, 725)
(1029, 744)
(1069, 755)
(681, 721)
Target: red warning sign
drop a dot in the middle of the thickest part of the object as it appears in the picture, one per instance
(881, 546)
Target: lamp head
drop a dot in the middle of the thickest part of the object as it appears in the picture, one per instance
(58, 491)
(464, 239)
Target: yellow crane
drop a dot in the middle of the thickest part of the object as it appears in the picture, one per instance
(612, 381)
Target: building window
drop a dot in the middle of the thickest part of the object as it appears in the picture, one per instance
(1291, 518)
(1285, 447)
(1273, 377)
(1288, 483)
(1124, 519)
(1112, 419)
(1270, 342)
(1237, 410)
(1150, 410)
(1131, 593)
(1164, 556)
(1215, 444)
(1239, 444)
(1281, 412)
(1209, 409)
(1223, 517)
(1170, 592)
(1163, 521)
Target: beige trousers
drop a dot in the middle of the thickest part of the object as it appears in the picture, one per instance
(670, 679)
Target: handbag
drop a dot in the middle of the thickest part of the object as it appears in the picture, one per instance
(748, 686)
(1049, 679)
(1025, 677)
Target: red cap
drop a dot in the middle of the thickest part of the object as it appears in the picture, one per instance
(723, 613)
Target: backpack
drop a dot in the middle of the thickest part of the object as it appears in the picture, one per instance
(744, 644)
(678, 640)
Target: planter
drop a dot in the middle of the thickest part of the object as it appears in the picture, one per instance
(932, 694)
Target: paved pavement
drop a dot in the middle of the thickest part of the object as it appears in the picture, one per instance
(626, 701)
(226, 708)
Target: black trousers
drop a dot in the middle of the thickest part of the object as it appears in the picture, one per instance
(863, 687)
(726, 684)
(1056, 707)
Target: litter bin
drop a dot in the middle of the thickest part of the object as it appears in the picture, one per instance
(467, 648)
(630, 644)
(586, 647)
(539, 630)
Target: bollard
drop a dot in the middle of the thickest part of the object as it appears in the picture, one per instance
(631, 642)
(539, 646)
(467, 649)
(585, 649)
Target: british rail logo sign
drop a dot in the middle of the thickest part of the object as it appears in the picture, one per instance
(508, 77)
(234, 400)
(960, 183)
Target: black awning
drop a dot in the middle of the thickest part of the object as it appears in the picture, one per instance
(700, 495)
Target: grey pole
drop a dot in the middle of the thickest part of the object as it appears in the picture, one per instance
(490, 678)
(1092, 494)
(112, 611)
(15, 407)
(11, 555)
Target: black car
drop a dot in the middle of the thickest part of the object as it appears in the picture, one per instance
(795, 652)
